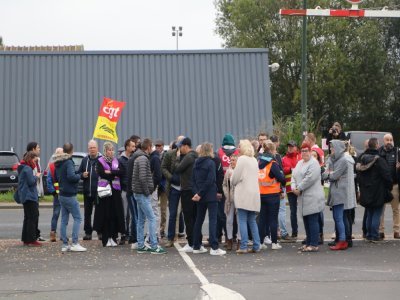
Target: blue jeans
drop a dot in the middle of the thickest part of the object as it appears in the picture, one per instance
(145, 212)
(201, 210)
(268, 217)
(173, 202)
(282, 217)
(321, 223)
(293, 212)
(247, 217)
(56, 213)
(311, 225)
(70, 205)
(337, 211)
(373, 221)
(134, 215)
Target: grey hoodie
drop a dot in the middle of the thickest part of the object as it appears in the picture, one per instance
(337, 173)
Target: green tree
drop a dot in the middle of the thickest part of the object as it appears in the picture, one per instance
(353, 64)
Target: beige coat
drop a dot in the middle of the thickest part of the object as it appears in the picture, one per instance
(245, 181)
(228, 189)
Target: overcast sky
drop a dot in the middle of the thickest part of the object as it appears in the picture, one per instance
(109, 24)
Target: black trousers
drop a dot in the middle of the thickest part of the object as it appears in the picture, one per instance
(189, 214)
(31, 220)
(88, 203)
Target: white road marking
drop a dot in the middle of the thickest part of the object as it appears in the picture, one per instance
(212, 291)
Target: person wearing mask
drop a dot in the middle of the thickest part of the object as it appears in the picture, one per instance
(289, 162)
(28, 196)
(90, 178)
(68, 181)
(391, 154)
(52, 188)
(270, 179)
(110, 217)
(375, 183)
(129, 148)
(247, 197)
(205, 198)
(306, 184)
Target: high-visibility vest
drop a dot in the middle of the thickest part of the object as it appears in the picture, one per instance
(267, 184)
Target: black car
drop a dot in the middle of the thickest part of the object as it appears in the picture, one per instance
(77, 159)
(9, 163)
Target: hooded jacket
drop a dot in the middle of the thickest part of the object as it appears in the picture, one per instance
(142, 180)
(204, 179)
(374, 179)
(337, 174)
(66, 176)
(27, 184)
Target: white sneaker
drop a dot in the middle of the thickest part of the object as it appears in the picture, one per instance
(201, 250)
(267, 241)
(77, 248)
(113, 244)
(250, 243)
(109, 243)
(186, 249)
(276, 246)
(65, 248)
(217, 252)
(134, 246)
(263, 247)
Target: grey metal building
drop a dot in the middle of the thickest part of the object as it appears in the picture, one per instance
(55, 97)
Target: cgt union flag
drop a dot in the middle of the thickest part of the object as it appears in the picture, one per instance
(110, 111)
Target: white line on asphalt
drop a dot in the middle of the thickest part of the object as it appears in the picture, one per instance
(212, 291)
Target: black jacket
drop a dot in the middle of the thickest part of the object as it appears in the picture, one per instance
(374, 179)
(204, 179)
(123, 160)
(184, 168)
(391, 157)
(89, 184)
(155, 167)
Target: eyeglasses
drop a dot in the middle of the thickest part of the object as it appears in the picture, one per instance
(304, 150)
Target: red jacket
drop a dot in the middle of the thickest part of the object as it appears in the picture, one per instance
(289, 162)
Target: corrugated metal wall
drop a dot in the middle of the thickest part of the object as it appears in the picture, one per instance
(55, 97)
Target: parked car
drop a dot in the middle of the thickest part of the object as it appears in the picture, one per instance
(358, 138)
(9, 163)
(77, 159)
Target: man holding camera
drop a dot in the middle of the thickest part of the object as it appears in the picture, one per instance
(335, 133)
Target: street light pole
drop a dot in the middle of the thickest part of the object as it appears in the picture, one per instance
(304, 74)
(177, 32)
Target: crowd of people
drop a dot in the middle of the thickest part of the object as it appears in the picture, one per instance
(139, 195)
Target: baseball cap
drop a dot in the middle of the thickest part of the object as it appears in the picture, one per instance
(186, 141)
(291, 143)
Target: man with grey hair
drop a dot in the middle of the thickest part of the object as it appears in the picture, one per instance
(87, 169)
(391, 155)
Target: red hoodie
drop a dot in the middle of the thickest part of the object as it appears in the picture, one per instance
(289, 162)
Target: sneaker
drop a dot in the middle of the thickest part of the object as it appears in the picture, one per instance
(134, 246)
(109, 243)
(263, 247)
(186, 249)
(41, 239)
(242, 251)
(267, 241)
(254, 250)
(65, 248)
(200, 251)
(250, 243)
(158, 250)
(143, 250)
(217, 252)
(77, 248)
(113, 243)
(169, 244)
(87, 237)
(276, 246)
(287, 239)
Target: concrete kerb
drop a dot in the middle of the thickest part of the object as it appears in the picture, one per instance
(13, 205)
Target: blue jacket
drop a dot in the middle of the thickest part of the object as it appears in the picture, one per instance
(204, 179)
(65, 174)
(27, 190)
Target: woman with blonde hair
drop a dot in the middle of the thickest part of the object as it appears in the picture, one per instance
(205, 189)
(109, 213)
(246, 196)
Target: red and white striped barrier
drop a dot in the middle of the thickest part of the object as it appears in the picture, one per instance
(347, 13)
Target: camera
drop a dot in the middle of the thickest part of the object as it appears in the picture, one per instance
(334, 131)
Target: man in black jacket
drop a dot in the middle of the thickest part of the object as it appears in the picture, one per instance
(375, 183)
(87, 169)
(390, 153)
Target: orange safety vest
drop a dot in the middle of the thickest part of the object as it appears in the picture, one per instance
(267, 184)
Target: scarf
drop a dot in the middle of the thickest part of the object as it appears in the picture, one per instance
(31, 164)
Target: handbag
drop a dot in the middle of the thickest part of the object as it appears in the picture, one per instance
(104, 191)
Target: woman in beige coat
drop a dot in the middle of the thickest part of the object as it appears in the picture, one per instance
(247, 196)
